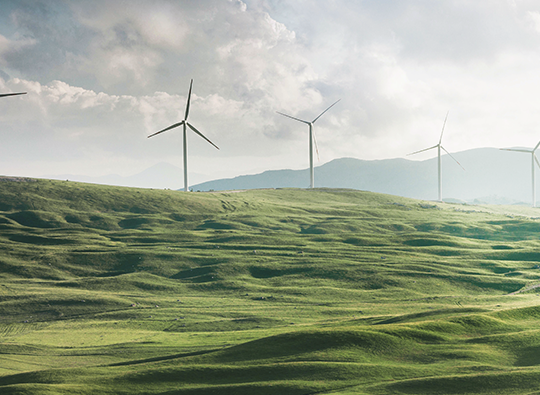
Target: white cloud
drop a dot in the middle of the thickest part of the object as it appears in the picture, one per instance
(7, 45)
(102, 76)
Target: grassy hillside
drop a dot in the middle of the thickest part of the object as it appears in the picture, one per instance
(123, 291)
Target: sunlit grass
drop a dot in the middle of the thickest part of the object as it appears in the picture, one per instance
(123, 290)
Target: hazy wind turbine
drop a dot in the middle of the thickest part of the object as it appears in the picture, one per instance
(311, 139)
(439, 147)
(12, 94)
(185, 123)
(533, 159)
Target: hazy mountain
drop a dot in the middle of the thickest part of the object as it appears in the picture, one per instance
(490, 176)
(161, 175)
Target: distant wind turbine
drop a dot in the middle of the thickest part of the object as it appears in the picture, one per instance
(533, 159)
(311, 139)
(185, 123)
(439, 147)
(12, 94)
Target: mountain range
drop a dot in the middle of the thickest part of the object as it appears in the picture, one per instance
(490, 176)
(160, 176)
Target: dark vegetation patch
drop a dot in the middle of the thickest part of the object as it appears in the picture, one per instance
(502, 247)
(428, 242)
(427, 314)
(221, 225)
(134, 223)
(313, 230)
(294, 346)
(495, 267)
(5, 221)
(519, 227)
(529, 256)
(365, 242)
(484, 383)
(198, 274)
(39, 240)
(266, 272)
(36, 219)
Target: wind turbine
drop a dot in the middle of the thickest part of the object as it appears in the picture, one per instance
(12, 94)
(439, 147)
(185, 124)
(311, 139)
(533, 159)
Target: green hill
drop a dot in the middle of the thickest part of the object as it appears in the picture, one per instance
(123, 291)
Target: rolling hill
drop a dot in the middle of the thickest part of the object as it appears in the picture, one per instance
(123, 291)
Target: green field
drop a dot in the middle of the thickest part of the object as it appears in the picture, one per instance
(109, 290)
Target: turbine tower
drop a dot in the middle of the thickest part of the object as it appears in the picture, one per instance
(311, 139)
(439, 147)
(533, 159)
(12, 94)
(185, 124)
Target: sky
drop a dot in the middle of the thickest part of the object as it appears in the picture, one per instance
(103, 75)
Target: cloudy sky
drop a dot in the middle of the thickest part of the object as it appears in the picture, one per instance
(103, 75)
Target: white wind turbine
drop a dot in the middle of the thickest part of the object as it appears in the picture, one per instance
(439, 147)
(311, 139)
(12, 94)
(186, 124)
(533, 159)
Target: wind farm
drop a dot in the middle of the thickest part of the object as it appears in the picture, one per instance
(185, 124)
(307, 290)
(364, 263)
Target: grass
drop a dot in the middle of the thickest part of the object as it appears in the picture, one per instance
(122, 291)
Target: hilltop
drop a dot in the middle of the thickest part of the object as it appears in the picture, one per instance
(124, 291)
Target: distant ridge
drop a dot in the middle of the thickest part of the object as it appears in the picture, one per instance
(162, 175)
(491, 176)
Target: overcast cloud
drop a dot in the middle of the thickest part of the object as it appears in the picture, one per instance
(102, 75)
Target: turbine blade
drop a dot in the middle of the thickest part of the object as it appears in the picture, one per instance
(426, 149)
(169, 128)
(296, 119)
(516, 150)
(200, 134)
(12, 94)
(452, 157)
(535, 148)
(325, 111)
(444, 124)
(188, 100)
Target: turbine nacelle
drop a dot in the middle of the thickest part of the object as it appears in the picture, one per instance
(530, 151)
